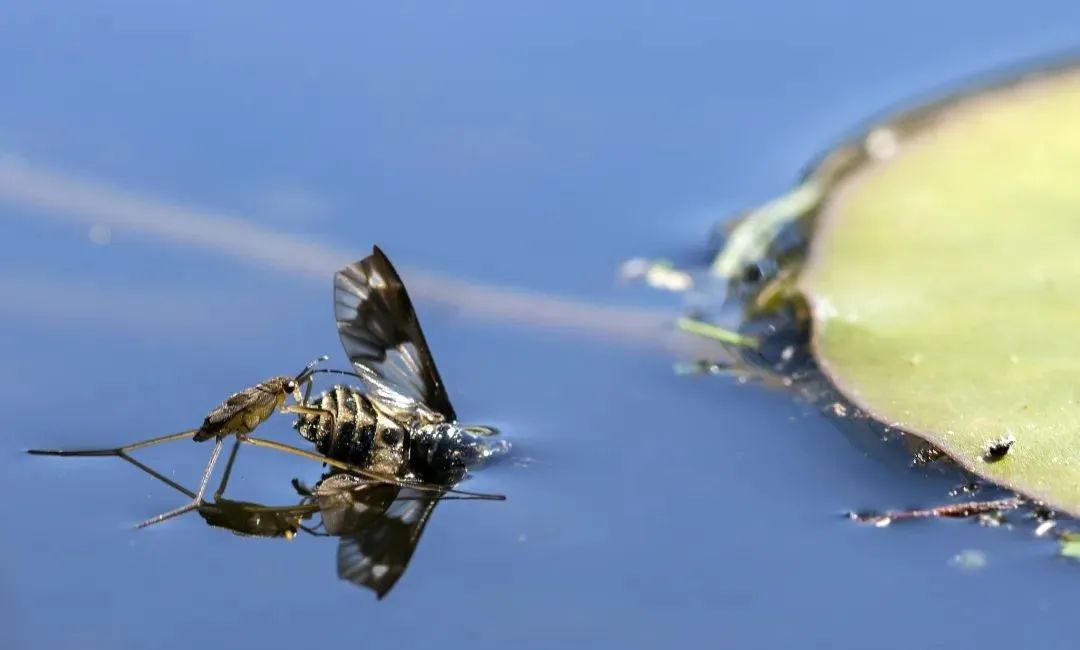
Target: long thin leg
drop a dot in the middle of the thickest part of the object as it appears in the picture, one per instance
(198, 494)
(122, 453)
(374, 476)
(228, 470)
(114, 451)
(159, 476)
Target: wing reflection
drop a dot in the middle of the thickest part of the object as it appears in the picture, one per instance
(378, 525)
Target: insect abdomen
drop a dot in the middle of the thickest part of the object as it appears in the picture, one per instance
(349, 436)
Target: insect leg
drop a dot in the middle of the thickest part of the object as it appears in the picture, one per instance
(114, 451)
(228, 470)
(158, 475)
(198, 495)
(303, 409)
(122, 453)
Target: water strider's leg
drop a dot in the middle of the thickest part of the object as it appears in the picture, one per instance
(303, 409)
(114, 451)
(198, 500)
(228, 470)
(359, 471)
(122, 453)
(159, 476)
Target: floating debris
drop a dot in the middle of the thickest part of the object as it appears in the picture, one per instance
(996, 449)
(967, 489)
(704, 367)
(951, 511)
(927, 454)
(99, 234)
(1044, 528)
(708, 330)
(658, 274)
(968, 560)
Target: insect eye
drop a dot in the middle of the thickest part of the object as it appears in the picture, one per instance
(290, 386)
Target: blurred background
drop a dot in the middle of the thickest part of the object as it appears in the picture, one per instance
(178, 182)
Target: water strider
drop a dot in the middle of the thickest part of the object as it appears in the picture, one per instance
(398, 428)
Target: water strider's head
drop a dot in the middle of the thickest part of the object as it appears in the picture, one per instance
(292, 385)
(283, 385)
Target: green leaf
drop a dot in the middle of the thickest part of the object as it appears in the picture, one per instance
(1070, 545)
(943, 280)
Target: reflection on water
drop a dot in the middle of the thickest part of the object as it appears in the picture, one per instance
(378, 524)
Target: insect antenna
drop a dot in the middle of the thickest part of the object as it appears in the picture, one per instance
(309, 370)
(333, 371)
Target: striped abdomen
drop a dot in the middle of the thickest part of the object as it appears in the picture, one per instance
(358, 433)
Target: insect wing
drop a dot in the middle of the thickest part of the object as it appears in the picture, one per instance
(351, 504)
(379, 538)
(382, 336)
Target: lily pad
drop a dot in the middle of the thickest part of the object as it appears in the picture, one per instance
(1070, 545)
(943, 278)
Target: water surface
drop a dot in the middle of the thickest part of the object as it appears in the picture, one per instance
(530, 149)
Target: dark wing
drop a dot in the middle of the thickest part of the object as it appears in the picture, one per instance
(382, 335)
(376, 555)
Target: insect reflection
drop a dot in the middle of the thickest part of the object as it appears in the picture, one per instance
(378, 524)
(393, 442)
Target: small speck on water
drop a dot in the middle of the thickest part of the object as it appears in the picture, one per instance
(968, 560)
(839, 410)
(1044, 528)
(100, 234)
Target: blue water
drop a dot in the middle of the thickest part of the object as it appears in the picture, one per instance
(531, 149)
